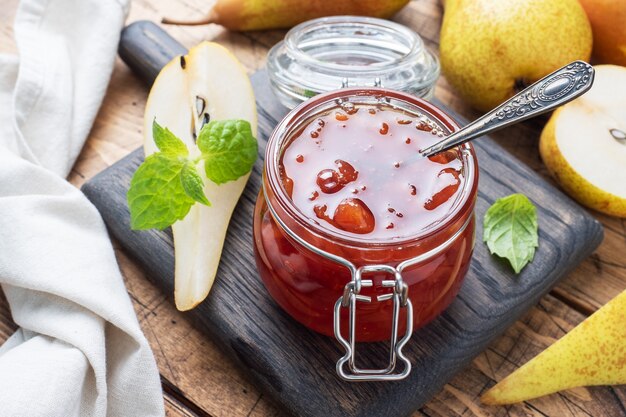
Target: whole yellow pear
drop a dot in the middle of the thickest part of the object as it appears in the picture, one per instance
(583, 145)
(593, 353)
(608, 22)
(491, 49)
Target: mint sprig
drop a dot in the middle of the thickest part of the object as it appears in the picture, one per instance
(510, 230)
(168, 182)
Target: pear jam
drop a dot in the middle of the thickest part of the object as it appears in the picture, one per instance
(358, 170)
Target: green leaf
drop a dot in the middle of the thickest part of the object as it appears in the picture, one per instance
(510, 230)
(228, 149)
(192, 183)
(156, 197)
(167, 184)
(167, 142)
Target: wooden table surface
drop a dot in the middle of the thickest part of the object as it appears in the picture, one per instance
(197, 377)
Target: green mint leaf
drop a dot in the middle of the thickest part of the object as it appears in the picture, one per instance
(510, 230)
(192, 183)
(228, 149)
(309, 93)
(167, 142)
(156, 197)
(167, 183)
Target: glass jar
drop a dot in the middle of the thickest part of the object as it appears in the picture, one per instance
(320, 276)
(328, 53)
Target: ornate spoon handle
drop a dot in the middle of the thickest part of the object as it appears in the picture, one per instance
(558, 88)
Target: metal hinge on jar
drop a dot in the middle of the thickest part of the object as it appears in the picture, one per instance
(351, 295)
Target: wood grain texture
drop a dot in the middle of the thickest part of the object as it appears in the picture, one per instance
(288, 359)
(193, 362)
(549, 320)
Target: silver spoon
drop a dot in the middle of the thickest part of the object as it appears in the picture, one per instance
(563, 85)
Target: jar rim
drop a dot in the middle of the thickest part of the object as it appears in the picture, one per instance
(328, 53)
(295, 35)
(285, 128)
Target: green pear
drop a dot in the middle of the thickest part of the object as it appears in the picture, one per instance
(491, 49)
(593, 353)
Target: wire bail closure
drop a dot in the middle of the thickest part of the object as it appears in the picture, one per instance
(351, 295)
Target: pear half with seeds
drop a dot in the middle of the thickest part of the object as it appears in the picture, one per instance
(584, 144)
(207, 84)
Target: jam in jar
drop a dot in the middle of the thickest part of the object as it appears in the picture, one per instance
(344, 179)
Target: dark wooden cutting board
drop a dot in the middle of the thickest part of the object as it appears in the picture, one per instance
(296, 366)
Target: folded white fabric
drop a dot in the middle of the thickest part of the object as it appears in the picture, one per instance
(79, 350)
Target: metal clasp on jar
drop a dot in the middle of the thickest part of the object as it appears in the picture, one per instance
(351, 295)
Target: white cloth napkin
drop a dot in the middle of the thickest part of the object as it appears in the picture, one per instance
(79, 350)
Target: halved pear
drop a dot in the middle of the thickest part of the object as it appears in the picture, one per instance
(584, 144)
(208, 83)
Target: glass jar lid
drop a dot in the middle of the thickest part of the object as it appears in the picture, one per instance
(329, 53)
